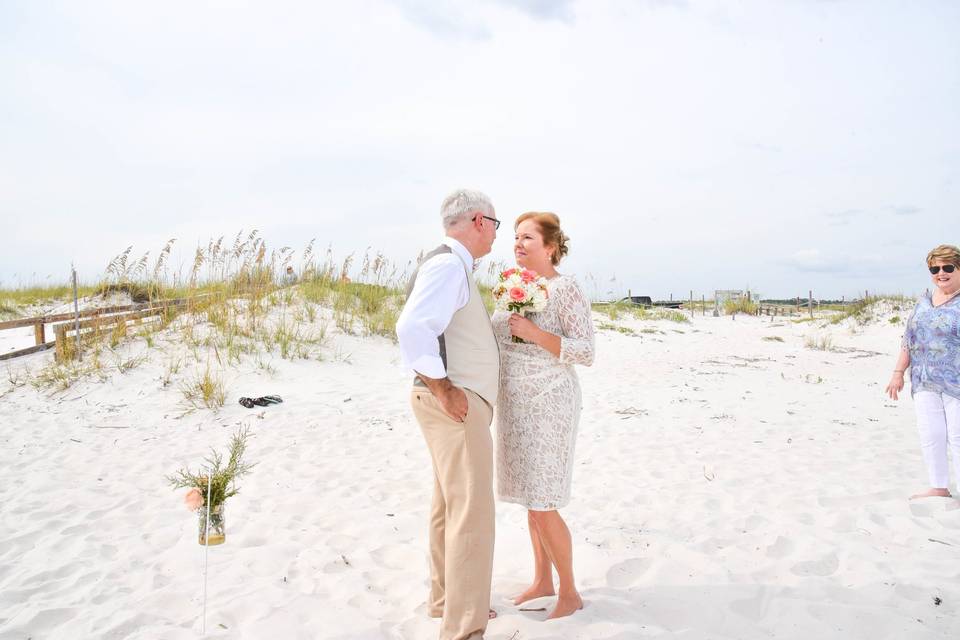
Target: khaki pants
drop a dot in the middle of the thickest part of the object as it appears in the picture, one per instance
(462, 514)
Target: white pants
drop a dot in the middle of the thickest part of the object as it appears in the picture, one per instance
(938, 420)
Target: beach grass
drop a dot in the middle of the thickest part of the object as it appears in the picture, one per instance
(242, 303)
(617, 310)
(741, 305)
(868, 309)
(819, 343)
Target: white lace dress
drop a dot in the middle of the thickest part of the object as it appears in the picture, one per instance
(538, 407)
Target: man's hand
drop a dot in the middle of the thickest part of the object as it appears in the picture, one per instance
(452, 399)
(454, 402)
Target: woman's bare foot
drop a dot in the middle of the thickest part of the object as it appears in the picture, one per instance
(535, 591)
(566, 606)
(932, 493)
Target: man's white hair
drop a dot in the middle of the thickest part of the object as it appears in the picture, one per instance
(460, 204)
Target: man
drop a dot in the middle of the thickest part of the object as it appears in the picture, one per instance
(447, 341)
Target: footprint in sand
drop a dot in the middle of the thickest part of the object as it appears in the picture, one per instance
(911, 592)
(921, 509)
(42, 622)
(754, 522)
(781, 548)
(877, 519)
(844, 523)
(395, 556)
(366, 602)
(337, 566)
(825, 566)
(627, 573)
(75, 530)
(754, 608)
(52, 575)
(928, 507)
(253, 540)
(95, 515)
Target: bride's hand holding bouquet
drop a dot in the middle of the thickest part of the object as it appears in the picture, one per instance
(521, 291)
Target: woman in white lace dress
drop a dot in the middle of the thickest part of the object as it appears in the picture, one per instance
(538, 407)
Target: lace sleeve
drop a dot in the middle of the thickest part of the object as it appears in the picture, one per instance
(576, 341)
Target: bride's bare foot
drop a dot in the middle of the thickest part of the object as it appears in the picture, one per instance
(932, 493)
(566, 606)
(535, 591)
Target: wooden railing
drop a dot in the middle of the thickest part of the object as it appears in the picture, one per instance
(90, 318)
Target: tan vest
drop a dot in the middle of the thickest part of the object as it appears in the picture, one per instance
(468, 347)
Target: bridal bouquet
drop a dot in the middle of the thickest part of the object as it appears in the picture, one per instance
(520, 291)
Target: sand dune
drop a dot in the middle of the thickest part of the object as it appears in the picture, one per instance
(726, 487)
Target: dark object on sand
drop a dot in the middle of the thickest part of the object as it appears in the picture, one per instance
(262, 401)
(646, 301)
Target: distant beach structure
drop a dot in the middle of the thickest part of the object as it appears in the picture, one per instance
(723, 295)
(647, 301)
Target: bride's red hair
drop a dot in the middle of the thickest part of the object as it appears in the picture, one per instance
(549, 226)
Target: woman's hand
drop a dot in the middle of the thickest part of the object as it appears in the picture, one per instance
(523, 328)
(896, 385)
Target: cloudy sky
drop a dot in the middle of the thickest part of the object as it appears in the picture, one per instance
(686, 145)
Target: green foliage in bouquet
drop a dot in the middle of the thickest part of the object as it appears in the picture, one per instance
(223, 477)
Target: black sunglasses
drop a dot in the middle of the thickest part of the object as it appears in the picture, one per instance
(947, 268)
(496, 223)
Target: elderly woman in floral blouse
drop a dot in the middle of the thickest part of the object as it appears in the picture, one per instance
(931, 349)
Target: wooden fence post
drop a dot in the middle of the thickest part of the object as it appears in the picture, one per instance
(60, 350)
(76, 311)
(810, 304)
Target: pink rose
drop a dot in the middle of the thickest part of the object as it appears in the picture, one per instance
(506, 274)
(193, 499)
(528, 276)
(517, 294)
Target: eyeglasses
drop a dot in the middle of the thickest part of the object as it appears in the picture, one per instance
(496, 223)
(947, 268)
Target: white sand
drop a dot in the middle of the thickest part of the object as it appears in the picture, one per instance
(726, 487)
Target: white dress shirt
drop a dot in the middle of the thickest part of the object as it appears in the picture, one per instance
(441, 289)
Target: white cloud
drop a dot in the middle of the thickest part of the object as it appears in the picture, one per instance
(740, 135)
(813, 260)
